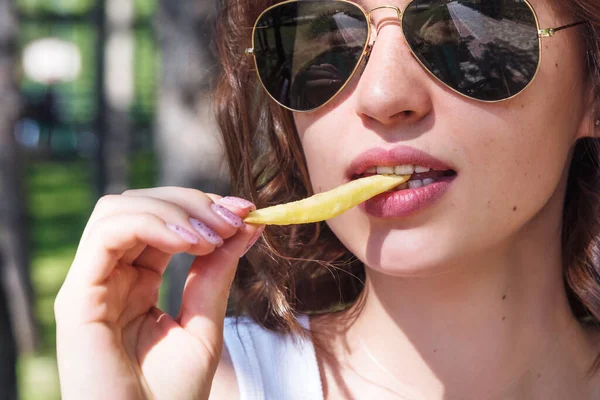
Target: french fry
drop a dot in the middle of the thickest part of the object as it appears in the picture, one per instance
(328, 204)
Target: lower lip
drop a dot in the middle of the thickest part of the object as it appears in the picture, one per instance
(402, 203)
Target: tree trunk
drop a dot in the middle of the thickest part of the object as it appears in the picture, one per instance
(15, 302)
(187, 141)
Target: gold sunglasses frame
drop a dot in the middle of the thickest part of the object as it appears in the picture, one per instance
(542, 33)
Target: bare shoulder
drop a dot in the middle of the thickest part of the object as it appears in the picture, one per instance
(224, 386)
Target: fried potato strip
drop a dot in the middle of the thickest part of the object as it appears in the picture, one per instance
(326, 205)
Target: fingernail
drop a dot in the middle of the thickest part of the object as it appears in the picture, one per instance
(237, 202)
(183, 233)
(227, 216)
(208, 234)
(252, 241)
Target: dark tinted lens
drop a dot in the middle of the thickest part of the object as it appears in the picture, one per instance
(307, 50)
(485, 49)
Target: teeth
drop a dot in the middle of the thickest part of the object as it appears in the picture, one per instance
(415, 184)
(404, 169)
(385, 170)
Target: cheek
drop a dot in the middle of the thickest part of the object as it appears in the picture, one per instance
(512, 174)
(520, 151)
(325, 146)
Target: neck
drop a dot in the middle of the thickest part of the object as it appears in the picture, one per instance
(492, 327)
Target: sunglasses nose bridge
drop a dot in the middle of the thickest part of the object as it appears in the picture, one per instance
(398, 12)
(388, 7)
(396, 9)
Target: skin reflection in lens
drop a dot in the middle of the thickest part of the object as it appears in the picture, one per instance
(306, 51)
(326, 50)
(316, 84)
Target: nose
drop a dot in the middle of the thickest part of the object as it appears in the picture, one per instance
(393, 86)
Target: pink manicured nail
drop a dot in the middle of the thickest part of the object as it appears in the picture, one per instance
(183, 233)
(208, 234)
(237, 202)
(227, 216)
(252, 241)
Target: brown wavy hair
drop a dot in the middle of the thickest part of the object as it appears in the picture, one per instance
(304, 268)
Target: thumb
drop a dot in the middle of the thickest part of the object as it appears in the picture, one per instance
(206, 290)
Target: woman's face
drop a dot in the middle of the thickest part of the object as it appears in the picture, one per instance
(510, 158)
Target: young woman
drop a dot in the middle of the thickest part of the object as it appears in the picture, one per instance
(479, 279)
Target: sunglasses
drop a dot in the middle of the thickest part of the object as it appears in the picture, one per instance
(306, 51)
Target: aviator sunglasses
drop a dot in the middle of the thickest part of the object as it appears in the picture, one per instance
(306, 51)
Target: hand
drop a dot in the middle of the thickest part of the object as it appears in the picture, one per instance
(322, 77)
(112, 340)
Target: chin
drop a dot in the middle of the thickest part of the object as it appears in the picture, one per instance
(409, 264)
(405, 254)
(405, 266)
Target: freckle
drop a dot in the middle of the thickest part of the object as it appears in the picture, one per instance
(435, 350)
(556, 65)
(525, 173)
(539, 375)
(540, 175)
(503, 318)
(489, 204)
(515, 208)
(522, 105)
(504, 297)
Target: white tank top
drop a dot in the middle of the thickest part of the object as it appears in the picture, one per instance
(269, 366)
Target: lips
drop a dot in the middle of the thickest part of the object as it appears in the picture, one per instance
(424, 189)
(400, 155)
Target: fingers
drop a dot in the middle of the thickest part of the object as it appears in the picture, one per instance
(152, 258)
(110, 239)
(143, 229)
(216, 222)
(199, 224)
(207, 287)
(215, 215)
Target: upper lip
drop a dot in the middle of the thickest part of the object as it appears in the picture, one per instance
(400, 155)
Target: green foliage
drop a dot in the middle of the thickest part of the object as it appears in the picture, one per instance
(143, 8)
(60, 193)
(146, 60)
(143, 170)
(60, 200)
(37, 7)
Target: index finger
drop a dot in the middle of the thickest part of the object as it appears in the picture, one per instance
(112, 237)
(200, 205)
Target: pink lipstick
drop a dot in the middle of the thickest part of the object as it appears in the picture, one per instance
(424, 188)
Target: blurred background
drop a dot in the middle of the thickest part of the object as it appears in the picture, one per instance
(96, 96)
